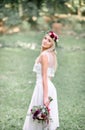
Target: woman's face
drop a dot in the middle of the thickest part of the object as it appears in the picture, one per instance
(47, 42)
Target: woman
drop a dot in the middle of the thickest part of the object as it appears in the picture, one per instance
(45, 67)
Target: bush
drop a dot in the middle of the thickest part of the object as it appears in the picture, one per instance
(73, 23)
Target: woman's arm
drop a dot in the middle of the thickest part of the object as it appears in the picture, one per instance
(44, 62)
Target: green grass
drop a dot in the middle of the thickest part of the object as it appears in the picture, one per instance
(17, 80)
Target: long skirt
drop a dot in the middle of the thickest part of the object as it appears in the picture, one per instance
(37, 99)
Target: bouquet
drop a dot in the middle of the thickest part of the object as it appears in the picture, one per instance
(41, 113)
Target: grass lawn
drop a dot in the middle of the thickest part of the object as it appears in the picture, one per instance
(17, 55)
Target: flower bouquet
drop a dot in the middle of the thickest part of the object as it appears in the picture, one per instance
(41, 113)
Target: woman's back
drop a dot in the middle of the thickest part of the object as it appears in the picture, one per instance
(51, 57)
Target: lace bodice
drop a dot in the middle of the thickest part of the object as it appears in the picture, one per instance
(37, 68)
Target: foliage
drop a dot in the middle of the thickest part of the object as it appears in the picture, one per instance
(13, 12)
(30, 12)
(73, 23)
(76, 7)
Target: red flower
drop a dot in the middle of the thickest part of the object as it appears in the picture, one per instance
(53, 35)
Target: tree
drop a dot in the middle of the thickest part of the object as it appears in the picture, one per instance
(20, 8)
(76, 7)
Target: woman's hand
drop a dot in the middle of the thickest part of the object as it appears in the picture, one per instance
(46, 102)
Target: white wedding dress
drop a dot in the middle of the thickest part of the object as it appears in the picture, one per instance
(37, 99)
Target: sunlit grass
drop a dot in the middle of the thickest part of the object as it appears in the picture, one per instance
(17, 80)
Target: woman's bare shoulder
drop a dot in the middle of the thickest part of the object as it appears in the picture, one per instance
(43, 56)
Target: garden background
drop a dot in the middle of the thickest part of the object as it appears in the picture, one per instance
(23, 24)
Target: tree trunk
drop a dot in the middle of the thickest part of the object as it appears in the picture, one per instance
(72, 3)
(79, 12)
(20, 8)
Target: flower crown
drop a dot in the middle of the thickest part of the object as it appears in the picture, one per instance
(53, 35)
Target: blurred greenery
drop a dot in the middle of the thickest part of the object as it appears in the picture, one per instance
(14, 12)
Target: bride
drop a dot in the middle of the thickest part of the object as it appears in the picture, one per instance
(44, 67)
